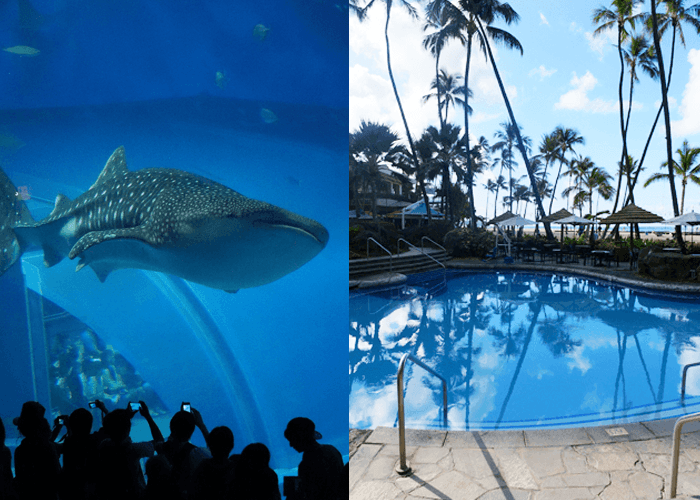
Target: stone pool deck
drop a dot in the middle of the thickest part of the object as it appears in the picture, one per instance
(627, 461)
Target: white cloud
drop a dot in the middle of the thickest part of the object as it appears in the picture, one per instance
(689, 124)
(542, 72)
(602, 42)
(543, 20)
(577, 99)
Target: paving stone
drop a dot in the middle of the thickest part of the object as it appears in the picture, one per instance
(609, 457)
(645, 485)
(688, 484)
(661, 464)
(426, 472)
(390, 450)
(375, 490)
(409, 483)
(473, 463)
(452, 486)
(361, 461)
(430, 455)
(515, 470)
(575, 462)
(381, 468)
(587, 480)
(552, 482)
(665, 427)
(501, 439)
(659, 446)
(618, 491)
(414, 437)
(544, 462)
(634, 432)
(557, 437)
(565, 494)
(507, 494)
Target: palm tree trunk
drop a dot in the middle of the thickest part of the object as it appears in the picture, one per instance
(398, 101)
(470, 167)
(667, 120)
(554, 190)
(521, 147)
(437, 89)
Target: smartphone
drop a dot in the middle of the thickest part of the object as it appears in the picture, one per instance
(61, 420)
(135, 406)
(186, 407)
(92, 406)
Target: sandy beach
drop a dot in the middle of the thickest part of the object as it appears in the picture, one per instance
(650, 235)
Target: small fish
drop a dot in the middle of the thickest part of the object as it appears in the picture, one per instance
(221, 79)
(268, 116)
(260, 32)
(22, 50)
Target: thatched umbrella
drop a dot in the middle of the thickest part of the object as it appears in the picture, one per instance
(561, 214)
(632, 214)
(502, 217)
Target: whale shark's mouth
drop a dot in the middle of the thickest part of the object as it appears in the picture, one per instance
(284, 218)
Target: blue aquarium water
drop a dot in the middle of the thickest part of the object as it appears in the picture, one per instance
(522, 350)
(199, 87)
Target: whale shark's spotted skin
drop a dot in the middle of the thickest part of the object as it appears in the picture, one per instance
(170, 209)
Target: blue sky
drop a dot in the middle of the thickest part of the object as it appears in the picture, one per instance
(566, 77)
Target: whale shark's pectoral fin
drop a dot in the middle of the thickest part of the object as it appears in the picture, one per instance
(93, 238)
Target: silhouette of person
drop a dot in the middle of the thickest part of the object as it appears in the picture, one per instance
(7, 490)
(321, 466)
(254, 479)
(160, 484)
(79, 456)
(119, 472)
(36, 460)
(214, 476)
(184, 457)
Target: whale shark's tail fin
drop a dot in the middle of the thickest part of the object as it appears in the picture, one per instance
(13, 210)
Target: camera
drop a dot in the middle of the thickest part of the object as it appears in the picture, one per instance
(92, 405)
(186, 407)
(61, 420)
(134, 406)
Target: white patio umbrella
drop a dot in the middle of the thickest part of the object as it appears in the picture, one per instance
(517, 221)
(574, 219)
(689, 219)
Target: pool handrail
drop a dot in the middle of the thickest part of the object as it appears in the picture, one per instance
(431, 241)
(403, 469)
(685, 372)
(398, 250)
(694, 417)
(391, 257)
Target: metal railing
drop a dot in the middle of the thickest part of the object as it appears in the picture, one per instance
(391, 257)
(398, 249)
(695, 417)
(431, 241)
(403, 468)
(685, 372)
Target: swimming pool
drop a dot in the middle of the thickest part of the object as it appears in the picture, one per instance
(521, 350)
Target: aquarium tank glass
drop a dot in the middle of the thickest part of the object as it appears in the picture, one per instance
(102, 295)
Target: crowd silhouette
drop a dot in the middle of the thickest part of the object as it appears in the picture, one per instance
(107, 464)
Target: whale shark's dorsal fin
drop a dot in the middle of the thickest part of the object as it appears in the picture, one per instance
(62, 204)
(115, 166)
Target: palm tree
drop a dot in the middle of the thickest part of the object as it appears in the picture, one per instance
(447, 86)
(507, 141)
(442, 17)
(370, 145)
(667, 120)
(619, 17)
(495, 186)
(565, 139)
(589, 179)
(687, 169)
(362, 15)
(489, 11)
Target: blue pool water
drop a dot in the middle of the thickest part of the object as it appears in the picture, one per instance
(144, 76)
(522, 350)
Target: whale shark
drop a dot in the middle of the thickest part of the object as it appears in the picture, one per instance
(164, 220)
